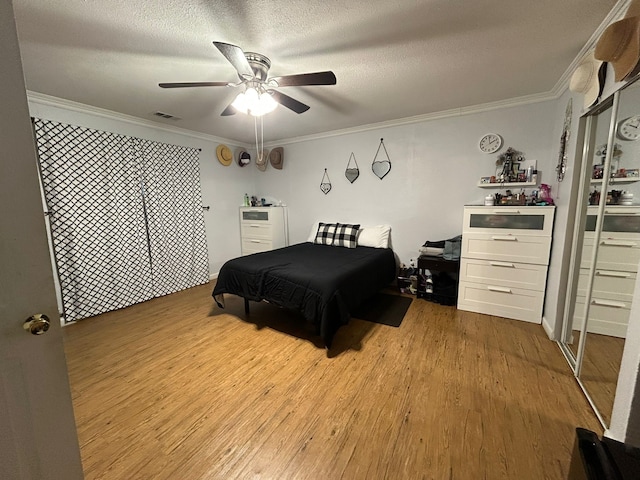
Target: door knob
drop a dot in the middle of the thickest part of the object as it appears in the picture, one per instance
(37, 324)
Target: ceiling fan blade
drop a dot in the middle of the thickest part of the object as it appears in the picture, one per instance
(301, 79)
(287, 101)
(230, 110)
(236, 57)
(193, 84)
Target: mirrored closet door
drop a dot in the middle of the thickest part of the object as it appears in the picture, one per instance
(606, 247)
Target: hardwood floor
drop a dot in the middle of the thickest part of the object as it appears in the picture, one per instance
(176, 388)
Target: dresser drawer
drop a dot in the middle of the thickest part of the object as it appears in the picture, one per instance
(252, 245)
(260, 214)
(614, 253)
(621, 221)
(611, 284)
(508, 302)
(507, 247)
(520, 275)
(256, 230)
(518, 220)
(606, 317)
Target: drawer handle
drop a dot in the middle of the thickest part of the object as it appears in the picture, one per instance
(503, 212)
(255, 225)
(255, 241)
(606, 273)
(505, 239)
(618, 243)
(499, 289)
(608, 303)
(502, 264)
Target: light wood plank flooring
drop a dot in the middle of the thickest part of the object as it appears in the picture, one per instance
(176, 388)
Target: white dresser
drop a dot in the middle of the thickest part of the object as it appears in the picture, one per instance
(504, 260)
(616, 270)
(263, 228)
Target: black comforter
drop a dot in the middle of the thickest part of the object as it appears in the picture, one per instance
(323, 282)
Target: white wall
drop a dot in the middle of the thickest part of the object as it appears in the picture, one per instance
(223, 187)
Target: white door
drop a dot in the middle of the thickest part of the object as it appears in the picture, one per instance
(37, 430)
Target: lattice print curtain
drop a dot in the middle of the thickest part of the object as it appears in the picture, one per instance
(174, 212)
(94, 184)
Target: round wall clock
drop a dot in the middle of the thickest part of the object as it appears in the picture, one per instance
(629, 129)
(490, 143)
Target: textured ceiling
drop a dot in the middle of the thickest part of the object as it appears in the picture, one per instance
(392, 59)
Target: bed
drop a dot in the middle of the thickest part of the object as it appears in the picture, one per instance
(325, 283)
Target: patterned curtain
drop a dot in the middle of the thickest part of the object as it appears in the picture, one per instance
(106, 195)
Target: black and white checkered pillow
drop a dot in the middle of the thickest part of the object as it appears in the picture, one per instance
(346, 235)
(325, 234)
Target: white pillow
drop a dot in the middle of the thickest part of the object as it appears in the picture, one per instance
(313, 232)
(377, 236)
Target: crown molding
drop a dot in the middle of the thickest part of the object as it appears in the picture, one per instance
(50, 101)
(455, 112)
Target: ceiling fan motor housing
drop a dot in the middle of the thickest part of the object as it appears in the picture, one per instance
(259, 64)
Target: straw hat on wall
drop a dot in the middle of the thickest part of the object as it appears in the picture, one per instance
(262, 159)
(619, 44)
(588, 79)
(225, 157)
(276, 157)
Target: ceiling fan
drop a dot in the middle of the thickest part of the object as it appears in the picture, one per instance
(252, 71)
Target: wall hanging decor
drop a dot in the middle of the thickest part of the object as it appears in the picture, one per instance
(244, 158)
(381, 167)
(262, 159)
(225, 157)
(510, 161)
(352, 172)
(325, 184)
(276, 157)
(564, 138)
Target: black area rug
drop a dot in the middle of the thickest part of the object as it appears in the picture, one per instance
(385, 309)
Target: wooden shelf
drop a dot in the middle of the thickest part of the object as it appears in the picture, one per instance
(508, 184)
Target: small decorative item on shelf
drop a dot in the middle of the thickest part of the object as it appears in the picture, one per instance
(601, 152)
(509, 160)
(513, 199)
(613, 197)
(632, 173)
(545, 195)
(598, 172)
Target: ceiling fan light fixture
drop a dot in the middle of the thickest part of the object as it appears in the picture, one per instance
(240, 103)
(254, 103)
(265, 104)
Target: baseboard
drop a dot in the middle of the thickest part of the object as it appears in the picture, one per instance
(547, 328)
(214, 276)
